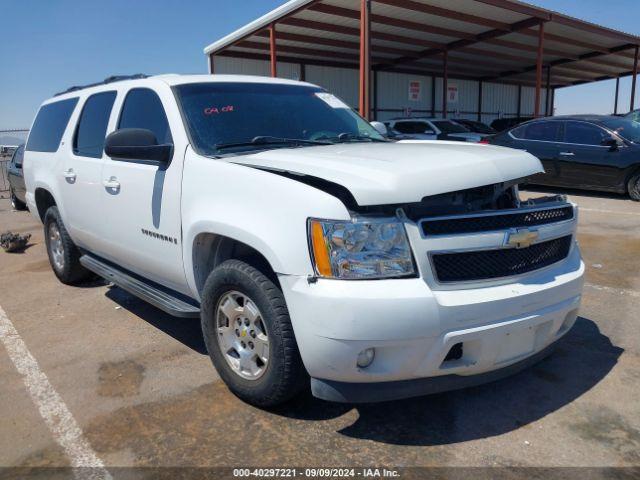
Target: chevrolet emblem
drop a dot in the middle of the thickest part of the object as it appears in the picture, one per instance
(521, 238)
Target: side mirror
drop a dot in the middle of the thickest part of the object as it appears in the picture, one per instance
(610, 142)
(136, 144)
(380, 127)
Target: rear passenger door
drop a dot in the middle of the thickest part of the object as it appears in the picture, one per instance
(83, 169)
(141, 199)
(541, 139)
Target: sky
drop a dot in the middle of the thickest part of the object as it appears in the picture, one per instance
(49, 45)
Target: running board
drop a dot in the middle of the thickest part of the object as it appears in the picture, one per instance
(149, 293)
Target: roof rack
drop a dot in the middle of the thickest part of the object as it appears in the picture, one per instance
(111, 79)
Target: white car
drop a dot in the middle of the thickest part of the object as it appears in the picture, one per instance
(420, 128)
(310, 247)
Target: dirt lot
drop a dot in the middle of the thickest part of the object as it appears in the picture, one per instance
(142, 389)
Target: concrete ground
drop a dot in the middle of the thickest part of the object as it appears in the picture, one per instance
(144, 393)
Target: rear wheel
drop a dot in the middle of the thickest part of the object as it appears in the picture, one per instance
(249, 336)
(64, 256)
(17, 204)
(634, 187)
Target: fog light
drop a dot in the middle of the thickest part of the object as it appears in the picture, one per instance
(365, 357)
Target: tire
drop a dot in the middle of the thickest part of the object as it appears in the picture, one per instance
(64, 256)
(283, 376)
(17, 204)
(634, 187)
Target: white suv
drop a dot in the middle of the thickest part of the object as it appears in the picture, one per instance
(308, 245)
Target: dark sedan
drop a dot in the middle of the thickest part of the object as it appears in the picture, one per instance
(594, 152)
(16, 179)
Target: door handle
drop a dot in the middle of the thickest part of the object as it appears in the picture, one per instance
(112, 183)
(69, 174)
(567, 154)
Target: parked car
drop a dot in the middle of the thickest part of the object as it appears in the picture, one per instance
(502, 124)
(475, 126)
(433, 129)
(17, 189)
(390, 133)
(594, 152)
(308, 246)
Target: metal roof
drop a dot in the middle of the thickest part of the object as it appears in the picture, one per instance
(491, 40)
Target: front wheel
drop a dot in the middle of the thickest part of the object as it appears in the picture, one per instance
(634, 187)
(16, 203)
(249, 337)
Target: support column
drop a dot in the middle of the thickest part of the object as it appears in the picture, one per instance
(273, 51)
(553, 101)
(547, 100)
(375, 95)
(519, 107)
(433, 96)
(536, 109)
(480, 101)
(303, 72)
(615, 102)
(211, 64)
(445, 81)
(365, 58)
(634, 78)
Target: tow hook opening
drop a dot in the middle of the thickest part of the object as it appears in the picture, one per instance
(454, 353)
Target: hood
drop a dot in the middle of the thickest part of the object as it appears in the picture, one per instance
(392, 173)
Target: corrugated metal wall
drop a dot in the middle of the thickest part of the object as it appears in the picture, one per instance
(392, 97)
(342, 82)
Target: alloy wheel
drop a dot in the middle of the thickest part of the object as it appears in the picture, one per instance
(242, 335)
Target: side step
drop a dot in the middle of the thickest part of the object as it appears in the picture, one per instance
(146, 291)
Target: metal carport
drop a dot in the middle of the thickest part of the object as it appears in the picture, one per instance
(489, 42)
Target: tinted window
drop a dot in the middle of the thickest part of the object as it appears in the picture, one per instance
(49, 126)
(545, 131)
(584, 133)
(92, 127)
(450, 127)
(218, 114)
(627, 129)
(143, 109)
(18, 155)
(412, 127)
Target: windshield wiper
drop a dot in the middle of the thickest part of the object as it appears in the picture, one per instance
(267, 140)
(350, 137)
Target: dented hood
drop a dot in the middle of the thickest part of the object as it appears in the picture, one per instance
(391, 173)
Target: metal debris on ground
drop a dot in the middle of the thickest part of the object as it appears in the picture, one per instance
(14, 242)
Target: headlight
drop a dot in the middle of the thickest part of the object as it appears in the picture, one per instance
(360, 249)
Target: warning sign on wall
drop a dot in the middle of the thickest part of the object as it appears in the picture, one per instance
(415, 90)
(452, 93)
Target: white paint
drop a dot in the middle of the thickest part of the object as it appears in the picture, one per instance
(52, 408)
(391, 173)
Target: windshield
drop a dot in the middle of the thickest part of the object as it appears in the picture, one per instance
(450, 127)
(627, 129)
(239, 117)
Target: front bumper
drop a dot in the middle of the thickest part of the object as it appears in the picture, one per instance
(413, 327)
(385, 391)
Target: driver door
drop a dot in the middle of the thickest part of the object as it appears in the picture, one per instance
(141, 198)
